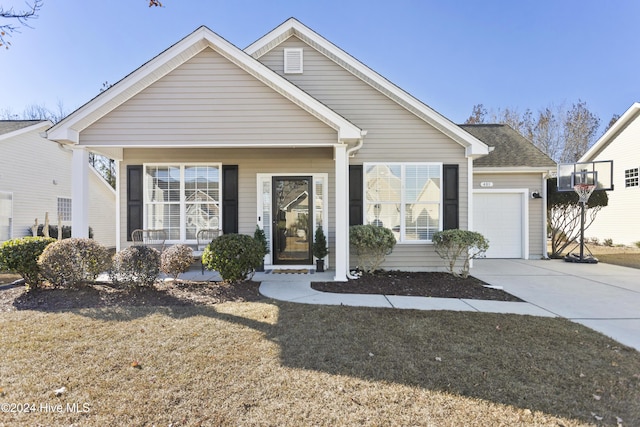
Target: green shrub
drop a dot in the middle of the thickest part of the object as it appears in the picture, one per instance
(71, 262)
(21, 256)
(637, 244)
(234, 256)
(175, 260)
(261, 238)
(371, 244)
(608, 242)
(135, 266)
(320, 249)
(452, 245)
(53, 231)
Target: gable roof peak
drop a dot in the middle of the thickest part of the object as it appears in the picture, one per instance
(629, 116)
(292, 27)
(68, 130)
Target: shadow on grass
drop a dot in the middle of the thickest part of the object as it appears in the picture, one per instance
(548, 365)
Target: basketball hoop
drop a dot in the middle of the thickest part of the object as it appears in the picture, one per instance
(584, 191)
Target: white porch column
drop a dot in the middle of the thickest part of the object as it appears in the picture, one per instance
(342, 213)
(80, 193)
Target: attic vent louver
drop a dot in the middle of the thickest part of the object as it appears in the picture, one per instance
(293, 61)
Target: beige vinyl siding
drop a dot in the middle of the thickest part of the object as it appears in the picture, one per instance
(29, 164)
(393, 133)
(250, 163)
(207, 100)
(37, 171)
(619, 219)
(537, 211)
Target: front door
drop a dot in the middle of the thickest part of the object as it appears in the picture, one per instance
(292, 219)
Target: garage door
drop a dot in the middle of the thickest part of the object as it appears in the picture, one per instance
(499, 218)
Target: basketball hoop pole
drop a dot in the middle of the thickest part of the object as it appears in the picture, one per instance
(582, 231)
(584, 192)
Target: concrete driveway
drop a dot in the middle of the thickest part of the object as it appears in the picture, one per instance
(601, 296)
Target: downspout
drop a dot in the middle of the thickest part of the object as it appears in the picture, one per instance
(351, 152)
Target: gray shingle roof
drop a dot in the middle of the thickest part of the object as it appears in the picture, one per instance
(7, 126)
(510, 148)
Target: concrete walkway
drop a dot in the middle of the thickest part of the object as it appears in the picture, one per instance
(603, 297)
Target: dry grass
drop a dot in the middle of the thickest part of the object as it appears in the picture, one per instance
(626, 256)
(291, 364)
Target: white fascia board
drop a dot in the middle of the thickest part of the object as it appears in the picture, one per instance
(40, 126)
(177, 55)
(628, 116)
(474, 147)
(478, 170)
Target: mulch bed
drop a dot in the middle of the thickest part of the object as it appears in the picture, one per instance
(437, 285)
(97, 295)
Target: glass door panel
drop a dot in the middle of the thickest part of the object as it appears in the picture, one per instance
(292, 210)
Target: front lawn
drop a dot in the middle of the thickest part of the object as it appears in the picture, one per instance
(273, 363)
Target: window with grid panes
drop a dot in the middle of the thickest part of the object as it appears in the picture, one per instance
(405, 198)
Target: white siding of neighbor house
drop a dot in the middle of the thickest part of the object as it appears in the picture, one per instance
(250, 162)
(393, 133)
(537, 208)
(620, 219)
(208, 101)
(37, 171)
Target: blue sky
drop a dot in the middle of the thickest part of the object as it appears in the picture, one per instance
(449, 54)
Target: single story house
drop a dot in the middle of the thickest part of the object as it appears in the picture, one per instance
(289, 134)
(619, 221)
(35, 179)
(510, 193)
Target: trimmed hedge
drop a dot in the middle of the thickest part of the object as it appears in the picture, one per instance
(456, 244)
(21, 256)
(371, 244)
(71, 262)
(176, 260)
(234, 256)
(135, 266)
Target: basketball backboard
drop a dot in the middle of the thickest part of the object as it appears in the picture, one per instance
(599, 173)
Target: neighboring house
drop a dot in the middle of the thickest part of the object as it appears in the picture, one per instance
(290, 132)
(35, 178)
(621, 143)
(509, 190)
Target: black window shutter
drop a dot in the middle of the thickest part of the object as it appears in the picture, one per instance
(450, 197)
(134, 199)
(229, 199)
(355, 195)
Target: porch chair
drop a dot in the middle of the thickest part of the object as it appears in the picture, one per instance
(204, 237)
(152, 238)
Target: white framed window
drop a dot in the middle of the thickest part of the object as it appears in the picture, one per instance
(631, 178)
(6, 216)
(182, 199)
(405, 198)
(64, 208)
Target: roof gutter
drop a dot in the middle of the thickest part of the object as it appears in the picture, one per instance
(350, 153)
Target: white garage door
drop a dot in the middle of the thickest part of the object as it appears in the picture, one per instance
(499, 218)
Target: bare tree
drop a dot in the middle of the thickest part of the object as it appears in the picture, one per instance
(564, 216)
(613, 121)
(580, 132)
(22, 17)
(478, 115)
(562, 135)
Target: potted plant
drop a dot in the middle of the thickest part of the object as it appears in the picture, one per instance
(261, 238)
(320, 249)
